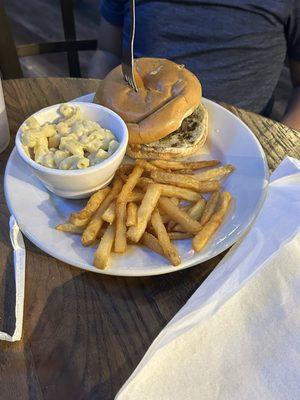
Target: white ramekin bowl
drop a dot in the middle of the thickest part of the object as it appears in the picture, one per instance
(76, 184)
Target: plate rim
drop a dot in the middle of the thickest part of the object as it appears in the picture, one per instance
(196, 260)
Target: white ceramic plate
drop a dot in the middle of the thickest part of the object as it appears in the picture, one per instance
(38, 211)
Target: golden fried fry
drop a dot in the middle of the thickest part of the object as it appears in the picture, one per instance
(169, 250)
(172, 224)
(81, 218)
(102, 230)
(122, 176)
(178, 215)
(109, 214)
(175, 191)
(144, 212)
(146, 165)
(215, 173)
(143, 182)
(187, 207)
(131, 217)
(103, 251)
(130, 184)
(91, 231)
(126, 168)
(210, 207)
(165, 218)
(120, 240)
(175, 200)
(69, 228)
(194, 212)
(150, 241)
(179, 192)
(205, 234)
(179, 165)
(185, 181)
(135, 196)
(179, 235)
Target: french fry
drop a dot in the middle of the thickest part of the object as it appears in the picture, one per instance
(69, 228)
(150, 241)
(205, 234)
(180, 165)
(122, 176)
(143, 182)
(179, 192)
(182, 171)
(120, 240)
(172, 224)
(215, 173)
(109, 214)
(185, 181)
(175, 200)
(103, 251)
(144, 213)
(130, 184)
(178, 215)
(146, 165)
(102, 231)
(187, 207)
(210, 207)
(175, 191)
(194, 212)
(91, 231)
(136, 196)
(179, 235)
(131, 217)
(165, 218)
(169, 250)
(81, 218)
(170, 190)
(126, 168)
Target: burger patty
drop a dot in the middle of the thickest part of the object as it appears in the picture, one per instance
(185, 136)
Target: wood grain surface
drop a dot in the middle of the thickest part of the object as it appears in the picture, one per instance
(85, 333)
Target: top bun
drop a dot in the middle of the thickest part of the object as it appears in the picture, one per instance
(167, 94)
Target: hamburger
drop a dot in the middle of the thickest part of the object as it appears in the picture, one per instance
(165, 117)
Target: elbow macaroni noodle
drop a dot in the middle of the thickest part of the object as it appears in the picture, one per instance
(70, 142)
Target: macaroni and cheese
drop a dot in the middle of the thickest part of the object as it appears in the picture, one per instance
(70, 142)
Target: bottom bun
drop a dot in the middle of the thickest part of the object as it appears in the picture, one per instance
(187, 140)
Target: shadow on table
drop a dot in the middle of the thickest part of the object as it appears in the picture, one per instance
(94, 330)
(8, 296)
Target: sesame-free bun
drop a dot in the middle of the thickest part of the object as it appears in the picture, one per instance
(167, 94)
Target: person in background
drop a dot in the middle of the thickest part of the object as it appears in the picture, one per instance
(236, 47)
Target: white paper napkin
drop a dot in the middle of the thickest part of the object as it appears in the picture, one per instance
(238, 337)
(19, 272)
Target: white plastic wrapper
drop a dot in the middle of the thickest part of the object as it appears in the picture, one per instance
(19, 270)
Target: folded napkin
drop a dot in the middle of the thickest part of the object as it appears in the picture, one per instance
(238, 337)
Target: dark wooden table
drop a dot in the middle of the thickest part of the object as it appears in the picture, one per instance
(85, 333)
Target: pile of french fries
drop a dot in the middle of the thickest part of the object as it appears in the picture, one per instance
(153, 203)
